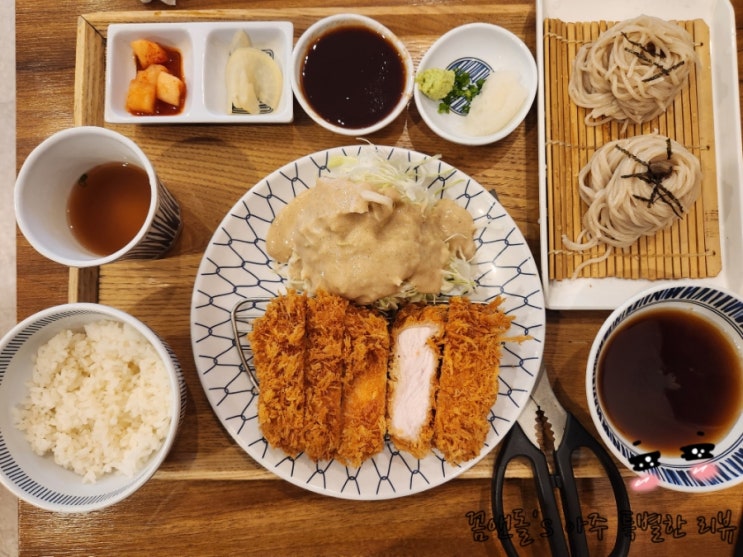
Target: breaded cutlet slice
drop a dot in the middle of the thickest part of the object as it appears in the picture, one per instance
(417, 337)
(366, 351)
(468, 380)
(277, 341)
(324, 370)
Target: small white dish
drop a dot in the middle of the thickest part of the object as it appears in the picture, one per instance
(39, 480)
(204, 48)
(702, 464)
(481, 49)
(340, 21)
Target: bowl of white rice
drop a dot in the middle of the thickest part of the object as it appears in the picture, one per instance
(90, 404)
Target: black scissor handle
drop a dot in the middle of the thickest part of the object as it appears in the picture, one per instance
(515, 445)
(576, 437)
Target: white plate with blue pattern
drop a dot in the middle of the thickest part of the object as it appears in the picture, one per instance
(236, 267)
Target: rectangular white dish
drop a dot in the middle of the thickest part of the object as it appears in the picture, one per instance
(204, 48)
(608, 293)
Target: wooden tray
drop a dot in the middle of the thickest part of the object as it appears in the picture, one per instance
(690, 248)
(209, 167)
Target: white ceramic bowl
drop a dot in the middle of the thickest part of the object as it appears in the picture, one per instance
(36, 479)
(481, 49)
(204, 48)
(674, 469)
(337, 21)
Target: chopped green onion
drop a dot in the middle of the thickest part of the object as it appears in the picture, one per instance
(464, 88)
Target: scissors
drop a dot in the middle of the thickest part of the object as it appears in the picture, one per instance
(556, 473)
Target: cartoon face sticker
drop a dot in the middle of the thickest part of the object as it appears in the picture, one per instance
(699, 451)
(645, 461)
(692, 451)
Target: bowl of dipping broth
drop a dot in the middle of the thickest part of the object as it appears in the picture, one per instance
(351, 74)
(88, 196)
(665, 387)
(91, 400)
(475, 84)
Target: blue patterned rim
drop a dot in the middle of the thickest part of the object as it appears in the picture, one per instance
(727, 464)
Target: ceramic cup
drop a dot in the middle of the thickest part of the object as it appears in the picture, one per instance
(47, 177)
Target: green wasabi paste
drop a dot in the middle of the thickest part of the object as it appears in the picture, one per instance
(435, 83)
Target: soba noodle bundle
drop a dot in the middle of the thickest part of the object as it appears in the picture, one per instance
(633, 71)
(634, 187)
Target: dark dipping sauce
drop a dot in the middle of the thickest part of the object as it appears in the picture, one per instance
(108, 206)
(353, 77)
(668, 378)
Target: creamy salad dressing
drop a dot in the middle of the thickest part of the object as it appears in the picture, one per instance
(343, 237)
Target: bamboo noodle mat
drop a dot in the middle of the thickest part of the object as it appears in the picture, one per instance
(688, 249)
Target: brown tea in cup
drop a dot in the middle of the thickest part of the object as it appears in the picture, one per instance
(108, 205)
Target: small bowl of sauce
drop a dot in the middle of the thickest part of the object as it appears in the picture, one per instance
(352, 75)
(665, 385)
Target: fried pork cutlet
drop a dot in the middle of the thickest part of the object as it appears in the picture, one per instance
(323, 363)
(366, 351)
(468, 380)
(324, 370)
(417, 338)
(278, 344)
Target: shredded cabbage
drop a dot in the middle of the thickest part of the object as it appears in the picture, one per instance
(372, 167)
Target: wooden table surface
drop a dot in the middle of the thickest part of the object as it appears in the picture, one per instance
(210, 498)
